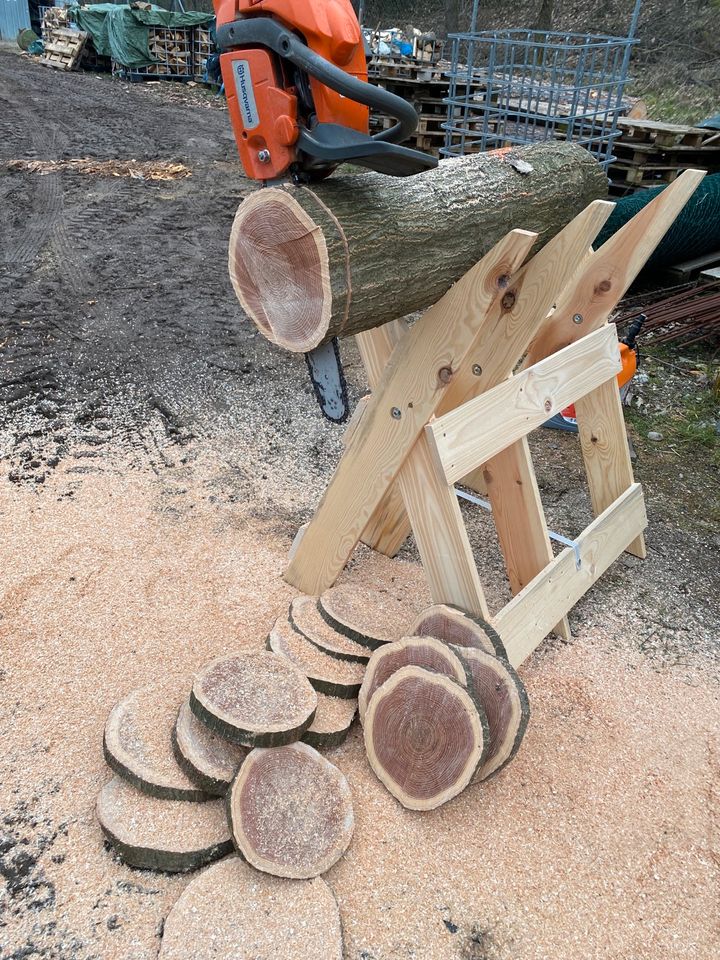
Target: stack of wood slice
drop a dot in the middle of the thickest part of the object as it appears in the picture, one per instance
(441, 709)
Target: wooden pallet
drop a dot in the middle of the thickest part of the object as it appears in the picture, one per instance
(63, 48)
(449, 398)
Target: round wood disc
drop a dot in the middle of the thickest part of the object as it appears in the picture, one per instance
(455, 626)
(332, 722)
(369, 617)
(208, 759)
(291, 811)
(232, 912)
(254, 699)
(425, 736)
(306, 618)
(138, 744)
(336, 678)
(155, 834)
(505, 702)
(427, 652)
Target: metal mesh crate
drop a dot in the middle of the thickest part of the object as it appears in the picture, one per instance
(172, 50)
(519, 86)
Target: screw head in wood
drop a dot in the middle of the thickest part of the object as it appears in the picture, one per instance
(503, 280)
(578, 318)
(396, 413)
(476, 369)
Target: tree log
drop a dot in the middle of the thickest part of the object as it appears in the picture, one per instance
(456, 626)
(336, 678)
(332, 722)
(425, 736)
(305, 617)
(369, 617)
(206, 758)
(290, 811)
(350, 253)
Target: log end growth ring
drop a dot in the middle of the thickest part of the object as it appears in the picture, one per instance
(279, 269)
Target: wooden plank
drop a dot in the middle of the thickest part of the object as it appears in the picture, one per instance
(529, 616)
(486, 425)
(408, 393)
(520, 519)
(604, 445)
(440, 533)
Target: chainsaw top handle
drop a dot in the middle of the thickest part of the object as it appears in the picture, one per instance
(267, 32)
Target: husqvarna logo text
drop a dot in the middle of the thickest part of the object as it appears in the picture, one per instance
(245, 94)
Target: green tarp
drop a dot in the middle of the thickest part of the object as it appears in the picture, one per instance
(121, 32)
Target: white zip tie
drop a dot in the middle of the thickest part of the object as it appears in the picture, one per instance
(557, 537)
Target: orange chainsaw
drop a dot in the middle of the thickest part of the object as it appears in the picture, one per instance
(295, 75)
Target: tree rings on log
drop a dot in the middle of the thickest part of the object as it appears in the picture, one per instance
(231, 911)
(336, 678)
(306, 618)
(369, 617)
(425, 737)
(254, 699)
(138, 744)
(208, 759)
(290, 811)
(155, 834)
(505, 702)
(332, 722)
(455, 626)
(426, 652)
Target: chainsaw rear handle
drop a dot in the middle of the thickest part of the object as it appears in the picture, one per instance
(250, 31)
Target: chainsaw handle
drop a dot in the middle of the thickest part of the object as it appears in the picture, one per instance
(248, 31)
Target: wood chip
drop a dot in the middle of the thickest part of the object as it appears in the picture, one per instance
(306, 618)
(156, 834)
(291, 811)
(458, 627)
(208, 759)
(332, 722)
(336, 678)
(254, 699)
(369, 617)
(138, 743)
(232, 912)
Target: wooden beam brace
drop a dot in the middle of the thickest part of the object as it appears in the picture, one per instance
(483, 427)
(529, 617)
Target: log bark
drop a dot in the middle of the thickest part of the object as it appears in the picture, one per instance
(305, 617)
(369, 617)
(290, 811)
(154, 834)
(425, 736)
(426, 652)
(232, 911)
(254, 699)
(207, 759)
(333, 677)
(353, 252)
(453, 625)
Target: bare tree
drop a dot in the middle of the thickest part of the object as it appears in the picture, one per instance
(545, 16)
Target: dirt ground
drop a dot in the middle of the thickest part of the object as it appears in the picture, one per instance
(157, 458)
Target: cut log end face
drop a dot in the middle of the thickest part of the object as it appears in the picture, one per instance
(291, 811)
(370, 617)
(426, 652)
(306, 618)
(336, 678)
(278, 264)
(155, 834)
(232, 911)
(255, 699)
(424, 736)
(455, 626)
(206, 757)
(504, 699)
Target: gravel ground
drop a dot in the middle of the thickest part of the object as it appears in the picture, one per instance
(158, 456)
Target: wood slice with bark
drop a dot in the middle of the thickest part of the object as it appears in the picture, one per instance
(290, 811)
(208, 759)
(336, 678)
(425, 736)
(427, 652)
(155, 834)
(230, 911)
(456, 626)
(332, 722)
(137, 743)
(305, 617)
(505, 702)
(353, 252)
(369, 617)
(254, 699)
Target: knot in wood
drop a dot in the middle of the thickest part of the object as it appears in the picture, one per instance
(604, 286)
(548, 405)
(508, 301)
(445, 374)
(503, 280)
